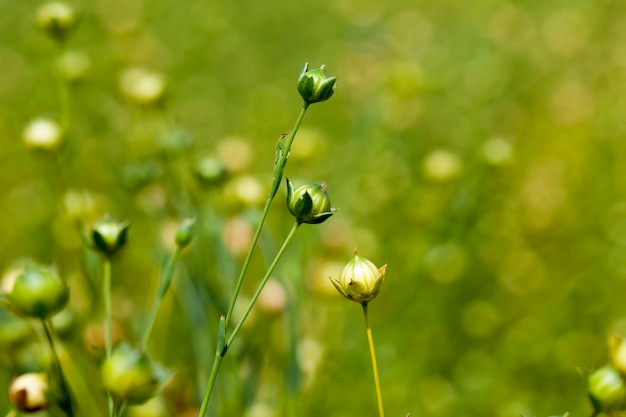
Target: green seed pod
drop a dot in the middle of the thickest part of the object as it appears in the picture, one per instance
(309, 203)
(29, 392)
(129, 375)
(184, 234)
(38, 292)
(109, 235)
(57, 19)
(606, 389)
(315, 85)
(360, 279)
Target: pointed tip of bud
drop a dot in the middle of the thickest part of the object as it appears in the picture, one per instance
(315, 85)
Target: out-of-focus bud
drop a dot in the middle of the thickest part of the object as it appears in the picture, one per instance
(606, 389)
(441, 165)
(13, 329)
(38, 292)
(154, 407)
(184, 234)
(43, 134)
(57, 19)
(360, 279)
(94, 337)
(175, 141)
(244, 191)
(29, 392)
(142, 86)
(109, 235)
(309, 203)
(209, 169)
(74, 65)
(315, 85)
(130, 376)
(273, 298)
(617, 353)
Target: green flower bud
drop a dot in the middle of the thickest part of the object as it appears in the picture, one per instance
(309, 203)
(130, 376)
(29, 392)
(38, 292)
(56, 18)
(109, 235)
(142, 86)
(184, 234)
(209, 169)
(360, 279)
(606, 389)
(315, 85)
(43, 134)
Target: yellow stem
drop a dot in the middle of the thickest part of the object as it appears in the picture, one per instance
(370, 340)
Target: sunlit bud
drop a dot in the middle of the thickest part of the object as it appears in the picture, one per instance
(184, 234)
(309, 203)
(441, 165)
(497, 151)
(244, 190)
(360, 279)
(94, 337)
(142, 86)
(315, 85)
(74, 65)
(44, 134)
(109, 235)
(617, 352)
(237, 235)
(236, 154)
(130, 376)
(606, 389)
(38, 292)
(56, 18)
(29, 392)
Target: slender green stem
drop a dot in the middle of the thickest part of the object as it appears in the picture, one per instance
(59, 376)
(370, 340)
(220, 353)
(108, 320)
(164, 285)
(12, 413)
(280, 163)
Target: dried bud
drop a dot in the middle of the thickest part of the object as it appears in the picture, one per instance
(109, 235)
(29, 392)
(130, 376)
(184, 234)
(360, 279)
(606, 389)
(315, 85)
(309, 203)
(38, 292)
(57, 18)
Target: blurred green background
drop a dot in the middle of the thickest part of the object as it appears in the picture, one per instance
(478, 148)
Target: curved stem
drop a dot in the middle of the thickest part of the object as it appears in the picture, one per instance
(66, 402)
(164, 285)
(280, 163)
(370, 340)
(220, 353)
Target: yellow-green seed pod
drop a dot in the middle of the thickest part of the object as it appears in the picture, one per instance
(315, 85)
(360, 279)
(606, 389)
(129, 375)
(29, 392)
(38, 292)
(109, 235)
(57, 19)
(309, 203)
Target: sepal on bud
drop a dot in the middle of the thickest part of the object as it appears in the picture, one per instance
(109, 235)
(315, 85)
(309, 203)
(38, 292)
(360, 279)
(130, 376)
